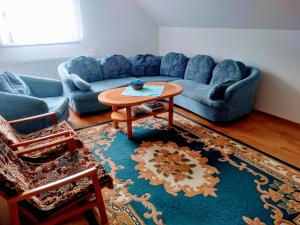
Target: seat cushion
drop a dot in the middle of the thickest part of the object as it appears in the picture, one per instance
(115, 66)
(12, 83)
(228, 70)
(66, 165)
(145, 65)
(199, 69)
(7, 133)
(158, 78)
(174, 65)
(57, 104)
(85, 67)
(199, 92)
(48, 153)
(14, 178)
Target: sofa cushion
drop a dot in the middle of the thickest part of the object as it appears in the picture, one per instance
(57, 104)
(98, 87)
(85, 67)
(80, 83)
(228, 70)
(12, 83)
(199, 92)
(199, 69)
(158, 78)
(115, 66)
(145, 65)
(217, 91)
(174, 65)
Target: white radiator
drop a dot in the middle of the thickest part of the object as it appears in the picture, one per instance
(46, 68)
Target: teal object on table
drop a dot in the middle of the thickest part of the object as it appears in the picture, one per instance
(148, 90)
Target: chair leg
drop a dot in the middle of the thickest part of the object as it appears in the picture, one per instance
(14, 214)
(99, 199)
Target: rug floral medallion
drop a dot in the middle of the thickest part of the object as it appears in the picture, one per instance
(191, 175)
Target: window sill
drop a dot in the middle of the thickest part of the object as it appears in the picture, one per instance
(46, 44)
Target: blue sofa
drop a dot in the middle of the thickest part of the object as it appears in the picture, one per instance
(24, 96)
(219, 92)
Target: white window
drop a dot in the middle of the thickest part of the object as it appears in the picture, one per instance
(37, 22)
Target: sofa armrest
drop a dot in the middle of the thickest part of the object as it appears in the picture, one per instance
(43, 87)
(67, 82)
(240, 96)
(14, 106)
(245, 87)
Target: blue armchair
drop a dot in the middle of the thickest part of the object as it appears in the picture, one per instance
(46, 95)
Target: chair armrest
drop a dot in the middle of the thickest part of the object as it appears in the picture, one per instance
(92, 173)
(70, 141)
(43, 87)
(37, 140)
(14, 106)
(52, 116)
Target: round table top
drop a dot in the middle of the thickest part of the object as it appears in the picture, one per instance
(114, 97)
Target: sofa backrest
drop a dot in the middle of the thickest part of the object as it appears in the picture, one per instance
(85, 67)
(200, 68)
(13, 84)
(145, 65)
(174, 65)
(115, 66)
(228, 70)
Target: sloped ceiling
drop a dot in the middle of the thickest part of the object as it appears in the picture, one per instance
(253, 14)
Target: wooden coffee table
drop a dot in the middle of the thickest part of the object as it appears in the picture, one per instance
(121, 105)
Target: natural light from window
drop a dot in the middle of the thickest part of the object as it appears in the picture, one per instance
(38, 22)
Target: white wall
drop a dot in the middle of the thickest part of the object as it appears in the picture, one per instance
(275, 52)
(109, 26)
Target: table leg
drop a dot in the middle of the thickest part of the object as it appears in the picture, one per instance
(171, 109)
(129, 122)
(115, 122)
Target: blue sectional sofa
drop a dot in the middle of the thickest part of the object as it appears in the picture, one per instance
(219, 92)
(24, 96)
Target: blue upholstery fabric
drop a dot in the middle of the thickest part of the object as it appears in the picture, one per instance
(174, 65)
(158, 78)
(199, 69)
(12, 83)
(228, 70)
(115, 66)
(145, 65)
(86, 67)
(83, 102)
(199, 93)
(237, 102)
(80, 83)
(217, 91)
(210, 113)
(16, 106)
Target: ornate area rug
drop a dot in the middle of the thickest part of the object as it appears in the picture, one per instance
(191, 175)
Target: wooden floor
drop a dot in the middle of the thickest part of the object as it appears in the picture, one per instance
(277, 137)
